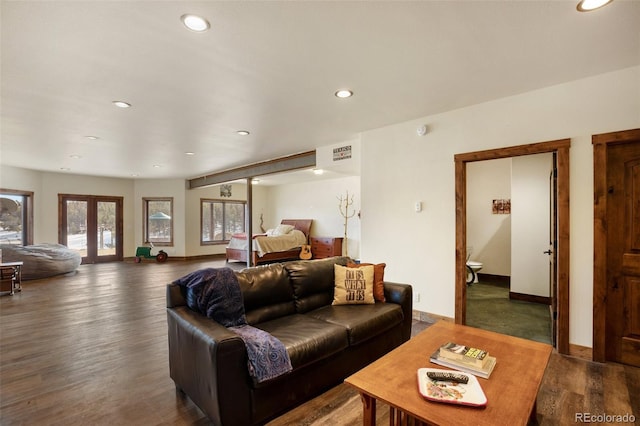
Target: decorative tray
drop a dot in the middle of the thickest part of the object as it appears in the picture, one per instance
(451, 392)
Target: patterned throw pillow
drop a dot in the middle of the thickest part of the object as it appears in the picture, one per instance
(353, 286)
(378, 278)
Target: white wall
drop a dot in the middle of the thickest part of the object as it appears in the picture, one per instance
(489, 234)
(319, 201)
(530, 224)
(399, 168)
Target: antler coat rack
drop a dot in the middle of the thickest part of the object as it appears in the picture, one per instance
(344, 205)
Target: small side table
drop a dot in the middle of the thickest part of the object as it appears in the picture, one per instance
(12, 271)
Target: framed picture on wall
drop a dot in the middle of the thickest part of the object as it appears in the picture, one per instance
(501, 206)
(225, 190)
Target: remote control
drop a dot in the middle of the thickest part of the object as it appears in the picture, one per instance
(447, 377)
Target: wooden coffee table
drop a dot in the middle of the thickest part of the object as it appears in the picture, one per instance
(511, 390)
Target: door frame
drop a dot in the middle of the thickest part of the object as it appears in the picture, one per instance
(601, 143)
(92, 201)
(561, 149)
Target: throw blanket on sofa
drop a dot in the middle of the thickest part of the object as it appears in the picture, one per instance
(215, 292)
(268, 358)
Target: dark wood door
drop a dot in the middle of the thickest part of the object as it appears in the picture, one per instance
(92, 225)
(623, 253)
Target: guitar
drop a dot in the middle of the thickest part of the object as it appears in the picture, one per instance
(305, 253)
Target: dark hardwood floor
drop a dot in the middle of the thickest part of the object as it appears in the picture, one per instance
(91, 349)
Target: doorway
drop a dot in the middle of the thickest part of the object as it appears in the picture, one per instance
(561, 150)
(509, 225)
(91, 225)
(616, 275)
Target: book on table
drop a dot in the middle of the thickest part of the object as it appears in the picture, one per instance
(478, 367)
(475, 357)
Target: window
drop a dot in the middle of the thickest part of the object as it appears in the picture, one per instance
(16, 217)
(220, 220)
(158, 221)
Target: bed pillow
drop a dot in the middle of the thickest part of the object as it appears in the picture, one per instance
(378, 278)
(282, 230)
(353, 286)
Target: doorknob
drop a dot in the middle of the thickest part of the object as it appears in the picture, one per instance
(547, 252)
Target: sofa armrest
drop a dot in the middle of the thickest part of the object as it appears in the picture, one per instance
(208, 362)
(402, 294)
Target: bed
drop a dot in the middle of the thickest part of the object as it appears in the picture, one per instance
(273, 245)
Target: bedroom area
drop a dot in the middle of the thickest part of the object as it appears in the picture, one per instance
(287, 213)
(297, 207)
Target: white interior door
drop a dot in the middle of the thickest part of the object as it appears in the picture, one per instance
(530, 227)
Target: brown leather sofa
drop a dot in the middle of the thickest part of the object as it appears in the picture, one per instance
(292, 301)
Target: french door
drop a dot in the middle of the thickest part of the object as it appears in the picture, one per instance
(92, 225)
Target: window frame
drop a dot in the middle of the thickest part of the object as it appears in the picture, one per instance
(27, 213)
(224, 202)
(145, 221)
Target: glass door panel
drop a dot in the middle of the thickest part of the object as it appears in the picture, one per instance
(107, 237)
(76, 219)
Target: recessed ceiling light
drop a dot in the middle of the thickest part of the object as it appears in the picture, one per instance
(135, 174)
(344, 93)
(318, 171)
(243, 132)
(587, 5)
(121, 104)
(65, 169)
(156, 166)
(93, 138)
(195, 23)
(75, 156)
(189, 153)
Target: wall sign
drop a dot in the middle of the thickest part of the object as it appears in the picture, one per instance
(342, 153)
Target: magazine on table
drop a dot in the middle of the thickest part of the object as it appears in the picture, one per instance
(484, 372)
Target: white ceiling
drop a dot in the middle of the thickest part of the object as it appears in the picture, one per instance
(271, 68)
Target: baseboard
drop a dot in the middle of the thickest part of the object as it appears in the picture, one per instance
(530, 298)
(429, 317)
(220, 256)
(583, 352)
(502, 280)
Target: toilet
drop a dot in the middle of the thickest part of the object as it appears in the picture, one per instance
(474, 266)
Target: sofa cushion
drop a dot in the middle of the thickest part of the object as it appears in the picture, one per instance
(307, 339)
(313, 281)
(378, 277)
(362, 321)
(353, 286)
(266, 292)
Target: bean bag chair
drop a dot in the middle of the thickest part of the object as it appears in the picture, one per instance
(42, 260)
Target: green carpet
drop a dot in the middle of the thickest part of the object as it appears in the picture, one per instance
(489, 308)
